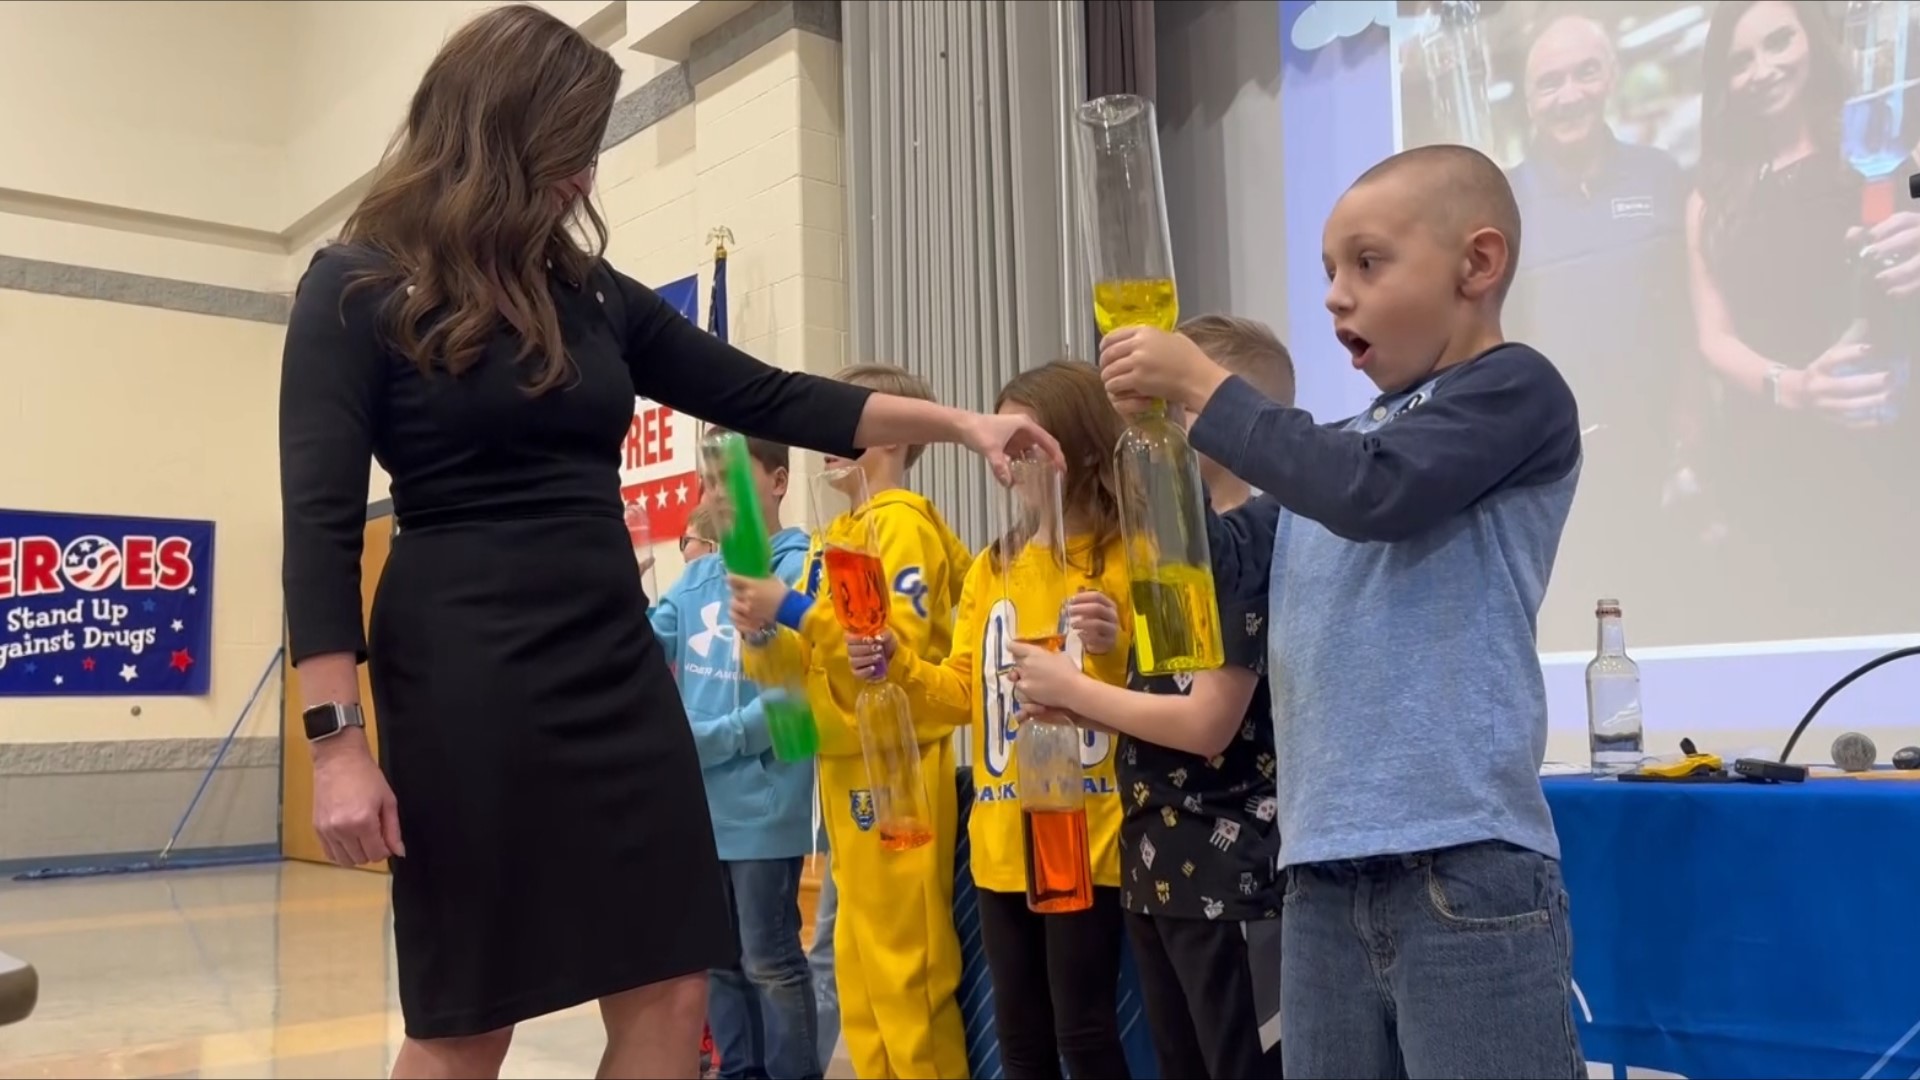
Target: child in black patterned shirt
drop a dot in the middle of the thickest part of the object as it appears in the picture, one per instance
(1198, 844)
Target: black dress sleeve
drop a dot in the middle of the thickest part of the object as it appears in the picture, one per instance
(682, 366)
(330, 384)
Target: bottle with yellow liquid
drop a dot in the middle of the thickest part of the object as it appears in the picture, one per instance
(1123, 225)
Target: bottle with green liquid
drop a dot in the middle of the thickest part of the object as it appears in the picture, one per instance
(772, 659)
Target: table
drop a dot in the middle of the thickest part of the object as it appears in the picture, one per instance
(1741, 930)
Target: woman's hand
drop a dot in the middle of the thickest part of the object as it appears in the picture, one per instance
(1000, 439)
(1894, 246)
(1825, 388)
(1044, 678)
(1094, 615)
(353, 806)
(756, 601)
(870, 657)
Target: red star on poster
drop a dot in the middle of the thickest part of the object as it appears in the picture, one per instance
(87, 663)
(181, 661)
(667, 502)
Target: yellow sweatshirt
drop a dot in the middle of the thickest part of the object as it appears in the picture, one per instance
(967, 688)
(925, 564)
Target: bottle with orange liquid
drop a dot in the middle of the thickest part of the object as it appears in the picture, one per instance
(1123, 225)
(1032, 550)
(858, 584)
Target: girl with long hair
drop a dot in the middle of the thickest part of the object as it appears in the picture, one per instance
(537, 793)
(1055, 977)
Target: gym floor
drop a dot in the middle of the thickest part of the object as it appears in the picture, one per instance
(281, 970)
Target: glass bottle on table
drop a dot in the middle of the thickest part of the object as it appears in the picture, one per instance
(857, 583)
(1615, 732)
(771, 658)
(1123, 226)
(1031, 551)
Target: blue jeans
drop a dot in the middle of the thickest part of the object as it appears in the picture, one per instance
(1447, 963)
(762, 1011)
(826, 992)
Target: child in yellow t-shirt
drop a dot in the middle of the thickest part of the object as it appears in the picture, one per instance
(896, 955)
(1055, 977)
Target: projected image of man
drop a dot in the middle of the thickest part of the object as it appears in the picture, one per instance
(1602, 290)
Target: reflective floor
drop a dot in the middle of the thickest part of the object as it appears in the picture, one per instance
(282, 970)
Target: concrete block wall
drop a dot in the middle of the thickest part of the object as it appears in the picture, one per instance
(758, 151)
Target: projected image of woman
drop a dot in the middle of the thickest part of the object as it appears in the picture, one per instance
(1810, 425)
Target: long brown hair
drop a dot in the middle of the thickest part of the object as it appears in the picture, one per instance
(470, 206)
(1734, 154)
(1067, 398)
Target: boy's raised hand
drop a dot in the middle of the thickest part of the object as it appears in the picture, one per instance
(1145, 363)
(756, 601)
(1096, 618)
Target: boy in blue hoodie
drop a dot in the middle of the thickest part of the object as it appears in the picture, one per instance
(1404, 553)
(762, 1011)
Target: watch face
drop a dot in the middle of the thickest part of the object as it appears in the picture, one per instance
(321, 721)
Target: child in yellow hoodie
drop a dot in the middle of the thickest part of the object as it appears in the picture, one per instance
(1055, 977)
(897, 957)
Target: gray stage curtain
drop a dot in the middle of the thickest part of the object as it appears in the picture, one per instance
(963, 264)
(1119, 47)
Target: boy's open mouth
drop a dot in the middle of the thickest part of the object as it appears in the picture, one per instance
(1360, 348)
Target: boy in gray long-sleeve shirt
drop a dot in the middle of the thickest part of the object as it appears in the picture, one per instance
(1404, 554)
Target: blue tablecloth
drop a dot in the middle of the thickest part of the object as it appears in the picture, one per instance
(1738, 930)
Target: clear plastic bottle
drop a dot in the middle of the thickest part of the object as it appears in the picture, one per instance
(1614, 729)
(640, 534)
(902, 813)
(1031, 554)
(1123, 224)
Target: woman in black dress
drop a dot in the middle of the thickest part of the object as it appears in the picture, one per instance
(541, 801)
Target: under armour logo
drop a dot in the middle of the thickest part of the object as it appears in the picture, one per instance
(702, 642)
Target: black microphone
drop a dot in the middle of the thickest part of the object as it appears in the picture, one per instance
(1841, 684)
(1913, 187)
